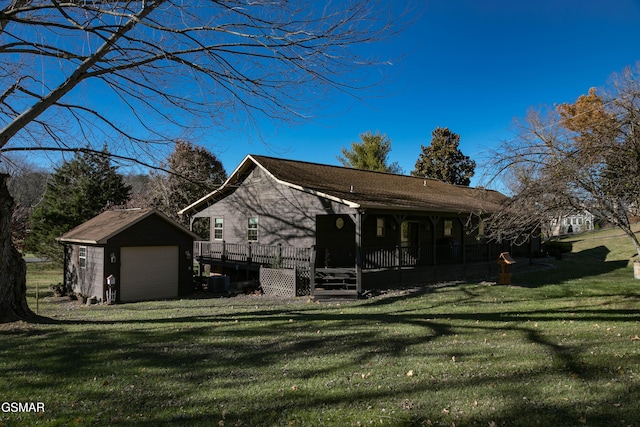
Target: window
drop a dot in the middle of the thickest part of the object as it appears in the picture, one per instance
(252, 230)
(82, 257)
(218, 225)
(380, 227)
(448, 228)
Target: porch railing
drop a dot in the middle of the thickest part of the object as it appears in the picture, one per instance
(253, 253)
(397, 257)
(372, 257)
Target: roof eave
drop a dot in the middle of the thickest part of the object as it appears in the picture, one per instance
(80, 241)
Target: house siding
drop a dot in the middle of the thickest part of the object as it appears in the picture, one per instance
(86, 280)
(285, 215)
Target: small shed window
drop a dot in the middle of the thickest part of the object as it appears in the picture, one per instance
(82, 257)
(252, 229)
(218, 228)
(380, 227)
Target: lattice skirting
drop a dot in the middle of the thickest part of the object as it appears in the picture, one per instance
(286, 283)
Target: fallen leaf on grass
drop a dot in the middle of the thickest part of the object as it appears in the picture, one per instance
(410, 373)
(406, 405)
(636, 338)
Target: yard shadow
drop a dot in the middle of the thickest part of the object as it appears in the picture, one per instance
(573, 266)
(207, 362)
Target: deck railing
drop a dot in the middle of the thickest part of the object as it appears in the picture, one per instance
(414, 256)
(253, 253)
(372, 257)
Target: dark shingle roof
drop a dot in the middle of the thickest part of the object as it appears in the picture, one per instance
(99, 229)
(367, 189)
(370, 189)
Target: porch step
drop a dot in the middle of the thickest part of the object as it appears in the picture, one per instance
(335, 294)
(335, 284)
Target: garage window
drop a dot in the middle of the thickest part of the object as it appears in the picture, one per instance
(82, 257)
(252, 229)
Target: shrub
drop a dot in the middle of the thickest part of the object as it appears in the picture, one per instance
(556, 248)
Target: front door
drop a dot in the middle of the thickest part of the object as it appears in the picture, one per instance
(410, 240)
(335, 241)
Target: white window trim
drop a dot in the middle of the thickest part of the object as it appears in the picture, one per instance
(81, 249)
(252, 227)
(221, 228)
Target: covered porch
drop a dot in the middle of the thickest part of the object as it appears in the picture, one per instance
(358, 252)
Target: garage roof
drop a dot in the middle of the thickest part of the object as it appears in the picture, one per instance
(99, 229)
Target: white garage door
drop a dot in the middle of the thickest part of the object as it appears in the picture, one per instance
(148, 273)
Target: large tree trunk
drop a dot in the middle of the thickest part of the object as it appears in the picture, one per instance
(13, 270)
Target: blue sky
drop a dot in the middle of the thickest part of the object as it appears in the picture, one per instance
(469, 65)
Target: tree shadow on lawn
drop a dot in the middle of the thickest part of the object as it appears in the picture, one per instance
(587, 263)
(214, 355)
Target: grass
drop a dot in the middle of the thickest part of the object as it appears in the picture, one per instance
(559, 347)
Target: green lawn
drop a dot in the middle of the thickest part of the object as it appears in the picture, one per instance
(559, 347)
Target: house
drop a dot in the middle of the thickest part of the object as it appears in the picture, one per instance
(145, 254)
(574, 222)
(345, 228)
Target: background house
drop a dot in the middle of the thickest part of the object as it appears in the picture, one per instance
(568, 223)
(361, 229)
(148, 254)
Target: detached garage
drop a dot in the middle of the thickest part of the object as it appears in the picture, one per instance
(146, 255)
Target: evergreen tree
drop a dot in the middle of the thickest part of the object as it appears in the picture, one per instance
(370, 154)
(443, 159)
(77, 191)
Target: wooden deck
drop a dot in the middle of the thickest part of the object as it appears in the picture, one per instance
(380, 266)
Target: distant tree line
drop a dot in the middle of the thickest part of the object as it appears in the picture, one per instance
(48, 204)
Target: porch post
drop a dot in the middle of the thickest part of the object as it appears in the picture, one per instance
(399, 220)
(463, 247)
(312, 270)
(357, 219)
